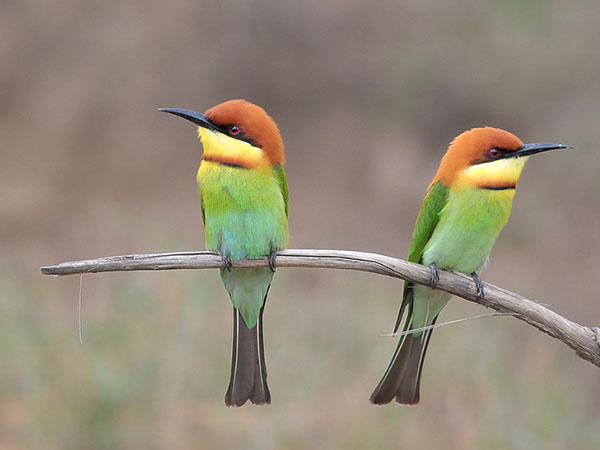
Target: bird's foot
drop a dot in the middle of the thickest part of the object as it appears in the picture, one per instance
(479, 283)
(227, 264)
(272, 260)
(435, 275)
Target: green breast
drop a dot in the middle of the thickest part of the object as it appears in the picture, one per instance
(244, 210)
(469, 225)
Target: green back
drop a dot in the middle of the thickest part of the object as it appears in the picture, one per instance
(428, 218)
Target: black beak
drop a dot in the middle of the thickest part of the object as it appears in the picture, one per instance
(195, 117)
(537, 147)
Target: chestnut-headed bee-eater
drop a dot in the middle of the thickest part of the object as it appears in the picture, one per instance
(244, 199)
(467, 204)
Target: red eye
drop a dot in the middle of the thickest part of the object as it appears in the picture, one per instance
(494, 153)
(234, 129)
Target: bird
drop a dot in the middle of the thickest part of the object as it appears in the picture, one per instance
(244, 200)
(466, 206)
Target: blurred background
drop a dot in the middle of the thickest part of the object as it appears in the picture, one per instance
(367, 96)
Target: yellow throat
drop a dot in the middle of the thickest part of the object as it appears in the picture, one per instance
(220, 148)
(501, 174)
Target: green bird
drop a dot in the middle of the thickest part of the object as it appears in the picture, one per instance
(466, 206)
(244, 200)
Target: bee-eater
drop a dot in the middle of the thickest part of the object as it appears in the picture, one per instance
(244, 200)
(467, 204)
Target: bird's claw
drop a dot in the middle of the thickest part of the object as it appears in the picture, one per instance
(478, 283)
(227, 264)
(435, 275)
(272, 260)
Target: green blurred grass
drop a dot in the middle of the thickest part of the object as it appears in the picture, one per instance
(154, 367)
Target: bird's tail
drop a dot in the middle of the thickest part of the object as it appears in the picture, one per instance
(248, 380)
(403, 376)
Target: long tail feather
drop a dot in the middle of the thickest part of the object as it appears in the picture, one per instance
(248, 379)
(403, 376)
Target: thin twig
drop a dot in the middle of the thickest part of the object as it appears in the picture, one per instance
(79, 308)
(444, 324)
(584, 340)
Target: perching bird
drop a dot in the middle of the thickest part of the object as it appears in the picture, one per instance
(467, 204)
(244, 200)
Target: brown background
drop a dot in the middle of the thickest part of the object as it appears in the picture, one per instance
(367, 96)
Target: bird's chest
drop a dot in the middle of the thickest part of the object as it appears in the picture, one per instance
(232, 190)
(244, 211)
(469, 225)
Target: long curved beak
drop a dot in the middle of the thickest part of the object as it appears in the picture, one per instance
(538, 147)
(195, 117)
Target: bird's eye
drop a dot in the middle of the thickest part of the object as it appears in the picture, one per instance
(494, 153)
(234, 129)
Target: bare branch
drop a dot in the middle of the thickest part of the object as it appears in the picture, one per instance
(584, 340)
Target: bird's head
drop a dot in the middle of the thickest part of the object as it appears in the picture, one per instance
(487, 157)
(236, 133)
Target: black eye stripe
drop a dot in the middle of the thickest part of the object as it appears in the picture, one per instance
(487, 157)
(240, 135)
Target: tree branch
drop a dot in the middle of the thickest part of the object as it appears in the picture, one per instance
(584, 340)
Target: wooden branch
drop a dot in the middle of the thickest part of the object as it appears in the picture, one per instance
(584, 340)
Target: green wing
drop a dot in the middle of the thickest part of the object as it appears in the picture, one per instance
(202, 208)
(281, 178)
(428, 218)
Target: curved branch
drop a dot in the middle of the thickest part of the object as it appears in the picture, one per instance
(584, 340)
